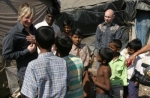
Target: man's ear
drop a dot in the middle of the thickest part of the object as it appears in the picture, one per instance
(113, 16)
(37, 44)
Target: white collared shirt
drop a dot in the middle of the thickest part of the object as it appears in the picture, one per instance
(54, 26)
(136, 65)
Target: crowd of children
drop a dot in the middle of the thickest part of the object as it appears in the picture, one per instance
(61, 68)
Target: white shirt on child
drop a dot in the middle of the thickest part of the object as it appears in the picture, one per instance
(54, 26)
(136, 65)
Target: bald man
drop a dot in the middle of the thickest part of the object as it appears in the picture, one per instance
(107, 31)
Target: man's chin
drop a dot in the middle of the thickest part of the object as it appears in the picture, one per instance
(50, 24)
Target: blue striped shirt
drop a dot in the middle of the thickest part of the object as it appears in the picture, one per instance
(75, 68)
(45, 77)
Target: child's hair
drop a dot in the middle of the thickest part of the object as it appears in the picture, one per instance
(67, 23)
(117, 43)
(76, 32)
(64, 44)
(106, 54)
(45, 37)
(52, 11)
(135, 44)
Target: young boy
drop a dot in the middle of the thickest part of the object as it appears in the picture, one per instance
(79, 49)
(46, 76)
(102, 80)
(67, 26)
(118, 69)
(74, 64)
(83, 51)
(133, 87)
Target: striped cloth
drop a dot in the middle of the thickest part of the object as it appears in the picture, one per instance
(75, 68)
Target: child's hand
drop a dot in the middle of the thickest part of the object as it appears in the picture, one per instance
(91, 59)
(90, 74)
(136, 83)
(94, 79)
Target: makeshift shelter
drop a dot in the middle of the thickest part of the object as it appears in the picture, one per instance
(87, 14)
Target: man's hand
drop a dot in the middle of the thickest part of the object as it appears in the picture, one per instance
(131, 59)
(31, 48)
(31, 39)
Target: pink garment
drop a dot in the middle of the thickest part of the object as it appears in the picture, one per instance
(84, 52)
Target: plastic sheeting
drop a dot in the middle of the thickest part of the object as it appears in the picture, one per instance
(86, 15)
(87, 18)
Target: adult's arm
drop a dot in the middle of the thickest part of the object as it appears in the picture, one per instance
(98, 37)
(118, 33)
(8, 48)
(142, 50)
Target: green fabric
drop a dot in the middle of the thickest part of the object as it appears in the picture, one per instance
(118, 71)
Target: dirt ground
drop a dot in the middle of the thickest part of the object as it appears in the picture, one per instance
(144, 91)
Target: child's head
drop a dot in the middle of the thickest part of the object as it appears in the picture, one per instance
(76, 37)
(134, 46)
(50, 16)
(67, 26)
(63, 45)
(105, 55)
(52, 11)
(45, 37)
(115, 45)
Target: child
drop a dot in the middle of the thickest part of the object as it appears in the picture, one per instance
(81, 50)
(67, 26)
(74, 64)
(133, 87)
(118, 69)
(102, 80)
(45, 76)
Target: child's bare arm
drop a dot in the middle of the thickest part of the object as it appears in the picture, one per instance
(106, 85)
(91, 59)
